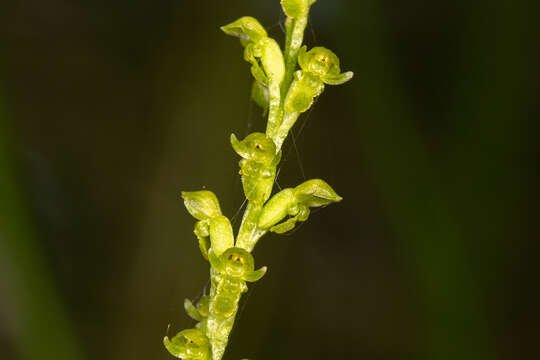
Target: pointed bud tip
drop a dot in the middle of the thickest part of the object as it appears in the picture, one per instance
(246, 28)
(235, 143)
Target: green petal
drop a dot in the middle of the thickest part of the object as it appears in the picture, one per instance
(337, 79)
(320, 61)
(315, 193)
(296, 8)
(191, 310)
(221, 234)
(245, 28)
(202, 205)
(276, 209)
(255, 275)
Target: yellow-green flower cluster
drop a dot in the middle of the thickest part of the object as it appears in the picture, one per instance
(285, 84)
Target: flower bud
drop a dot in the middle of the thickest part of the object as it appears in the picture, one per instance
(256, 70)
(296, 8)
(202, 205)
(272, 59)
(189, 344)
(202, 231)
(276, 209)
(285, 226)
(316, 192)
(191, 310)
(319, 61)
(201, 228)
(256, 146)
(246, 28)
(237, 261)
(203, 305)
(221, 234)
(303, 91)
(324, 64)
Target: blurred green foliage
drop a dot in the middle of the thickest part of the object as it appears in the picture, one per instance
(37, 326)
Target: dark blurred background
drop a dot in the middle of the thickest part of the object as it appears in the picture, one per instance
(108, 109)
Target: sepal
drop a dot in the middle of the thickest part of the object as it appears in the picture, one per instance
(298, 212)
(296, 9)
(337, 79)
(303, 91)
(262, 52)
(191, 310)
(272, 60)
(314, 193)
(221, 234)
(276, 209)
(189, 344)
(203, 305)
(246, 28)
(255, 275)
(323, 63)
(199, 312)
(202, 232)
(284, 227)
(319, 60)
(215, 261)
(311, 193)
(256, 146)
(237, 262)
(256, 70)
(258, 166)
(202, 205)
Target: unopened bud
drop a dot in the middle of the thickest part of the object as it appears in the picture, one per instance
(189, 344)
(202, 205)
(316, 192)
(246, 28)
(296, 8)
(276, 209)
(221, 234)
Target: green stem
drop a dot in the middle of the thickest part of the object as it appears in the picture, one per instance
(217, 328)
(279, 124)
(275, 112)
(295, 37)
(288, 121)
(249, 234)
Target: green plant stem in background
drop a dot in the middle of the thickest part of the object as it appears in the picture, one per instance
(286, 93)
(295, 37)
(40, 328)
